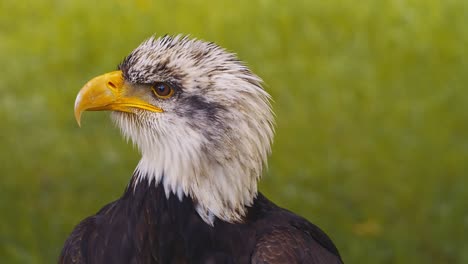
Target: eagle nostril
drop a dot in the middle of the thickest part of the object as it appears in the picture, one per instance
(111, 85)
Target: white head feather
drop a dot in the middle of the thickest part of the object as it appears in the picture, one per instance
(213, 138)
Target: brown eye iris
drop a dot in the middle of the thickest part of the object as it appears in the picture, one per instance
(163, 90)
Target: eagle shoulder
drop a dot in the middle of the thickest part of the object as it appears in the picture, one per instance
(81, 243)
(284, 237)
(291, 245)
(73, 250)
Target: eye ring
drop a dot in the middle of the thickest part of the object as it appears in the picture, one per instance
(162, 90)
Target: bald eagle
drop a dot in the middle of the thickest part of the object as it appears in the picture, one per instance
(204, 126)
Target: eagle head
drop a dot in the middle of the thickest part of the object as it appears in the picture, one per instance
(200, 118)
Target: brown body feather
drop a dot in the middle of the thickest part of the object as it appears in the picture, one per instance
(146, 227)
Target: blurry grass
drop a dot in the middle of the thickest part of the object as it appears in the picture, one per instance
(370, 96)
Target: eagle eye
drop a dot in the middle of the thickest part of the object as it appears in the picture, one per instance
(162, 90)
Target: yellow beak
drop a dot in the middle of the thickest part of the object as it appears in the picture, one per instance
(109, 92)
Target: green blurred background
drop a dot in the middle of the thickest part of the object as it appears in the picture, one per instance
(370, 96)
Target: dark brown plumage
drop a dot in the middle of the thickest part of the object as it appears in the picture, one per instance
(145, 227)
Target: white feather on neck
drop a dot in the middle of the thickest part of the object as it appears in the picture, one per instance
(172, 155)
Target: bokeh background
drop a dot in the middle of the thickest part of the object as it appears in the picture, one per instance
(371, 101)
